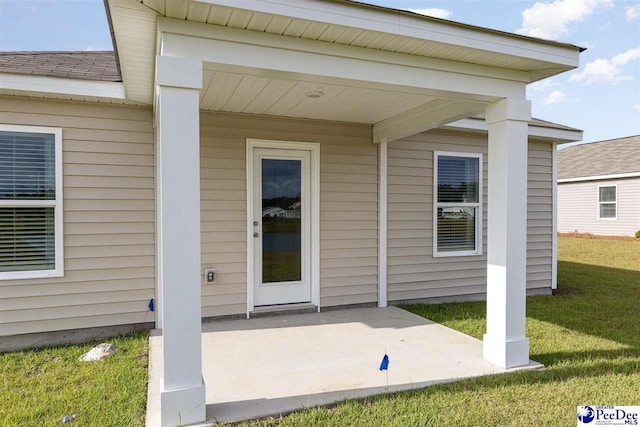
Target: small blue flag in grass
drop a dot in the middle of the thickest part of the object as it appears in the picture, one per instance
(384, 365)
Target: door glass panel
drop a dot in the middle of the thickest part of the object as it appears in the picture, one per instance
(281, 220)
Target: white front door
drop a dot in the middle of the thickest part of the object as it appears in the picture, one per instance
(281, 226)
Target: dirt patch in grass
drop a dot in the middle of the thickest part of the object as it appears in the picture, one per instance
(595, 236)
(566, 290)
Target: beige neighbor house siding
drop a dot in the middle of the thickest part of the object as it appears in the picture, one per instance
(413, 272)
(348, 207)
(578, 208)
(108, 154)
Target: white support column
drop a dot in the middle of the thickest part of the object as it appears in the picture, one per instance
(182, 390)
(382, 225)
(505, 343)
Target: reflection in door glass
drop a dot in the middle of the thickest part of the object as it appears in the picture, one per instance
(281, 220)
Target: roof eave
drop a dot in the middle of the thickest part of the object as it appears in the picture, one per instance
(546, 133)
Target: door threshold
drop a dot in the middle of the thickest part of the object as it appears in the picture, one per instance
(273, 310)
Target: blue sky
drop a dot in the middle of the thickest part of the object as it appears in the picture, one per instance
(602, 97)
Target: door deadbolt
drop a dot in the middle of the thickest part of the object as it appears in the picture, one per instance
(255, 223)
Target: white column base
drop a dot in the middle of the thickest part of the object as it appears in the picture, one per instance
(183, 406)
(504, 353)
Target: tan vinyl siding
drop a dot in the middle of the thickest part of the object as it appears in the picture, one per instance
(540, 215)
(578, 208)
(109, 231)
(348, 207)
(413, 272)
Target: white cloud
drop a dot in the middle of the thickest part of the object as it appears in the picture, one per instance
(543, 85)
(637, 107)
(433, 11)
(552, 20)
(555, 97)
(606, 70)
(632, 13)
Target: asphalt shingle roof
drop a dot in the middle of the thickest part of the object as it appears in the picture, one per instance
(89, 65)
(537, 122)
(610, 157)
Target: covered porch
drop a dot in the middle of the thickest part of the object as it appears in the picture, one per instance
(274, 365)
(397, 74)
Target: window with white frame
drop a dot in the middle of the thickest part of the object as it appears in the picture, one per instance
(457, 204)
(607, 202)
(30, 202)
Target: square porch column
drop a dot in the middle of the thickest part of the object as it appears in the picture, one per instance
(182, 389)
(505, 343)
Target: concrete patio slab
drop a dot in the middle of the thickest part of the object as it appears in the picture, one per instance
(274, 365)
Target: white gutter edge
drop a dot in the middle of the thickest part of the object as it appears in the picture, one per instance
(61, 86)
(601, 177)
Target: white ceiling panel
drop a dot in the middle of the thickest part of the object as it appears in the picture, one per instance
(243, 93)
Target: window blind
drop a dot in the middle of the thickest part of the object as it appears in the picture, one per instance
(27, 239)
(456, 229)
(607, 198)
(27, 166)
(458, 203)
(28, 196)
(607, 194)
(457, 179)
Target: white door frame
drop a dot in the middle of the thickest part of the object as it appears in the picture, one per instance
(314, 149)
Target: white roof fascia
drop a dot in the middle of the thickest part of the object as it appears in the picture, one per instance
(601, 177)
(62, 86)
(368, 17)
(555, 135)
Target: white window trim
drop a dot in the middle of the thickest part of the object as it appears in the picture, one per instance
(607, 203)
(58, 271)
(478, 249)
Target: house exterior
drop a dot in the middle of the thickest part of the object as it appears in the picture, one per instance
(314, 154)
(599, 187)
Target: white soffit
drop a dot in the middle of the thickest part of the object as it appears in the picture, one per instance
(250, 94)
(134, 25)
(337, 22)
(375, 27)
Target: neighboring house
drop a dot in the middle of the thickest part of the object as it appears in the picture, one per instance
(122, 178)
(599, 187)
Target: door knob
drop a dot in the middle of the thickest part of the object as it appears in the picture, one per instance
(255, 234)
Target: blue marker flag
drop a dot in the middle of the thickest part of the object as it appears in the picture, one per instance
(152, 306)
(384, 365)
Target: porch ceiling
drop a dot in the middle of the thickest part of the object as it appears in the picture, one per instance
(252, 94)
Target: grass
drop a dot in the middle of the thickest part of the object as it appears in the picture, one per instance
(39, 387)
(281, 266)
(589, 343)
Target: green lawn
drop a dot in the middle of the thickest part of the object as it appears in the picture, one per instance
(39, 387)
(589, 342)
